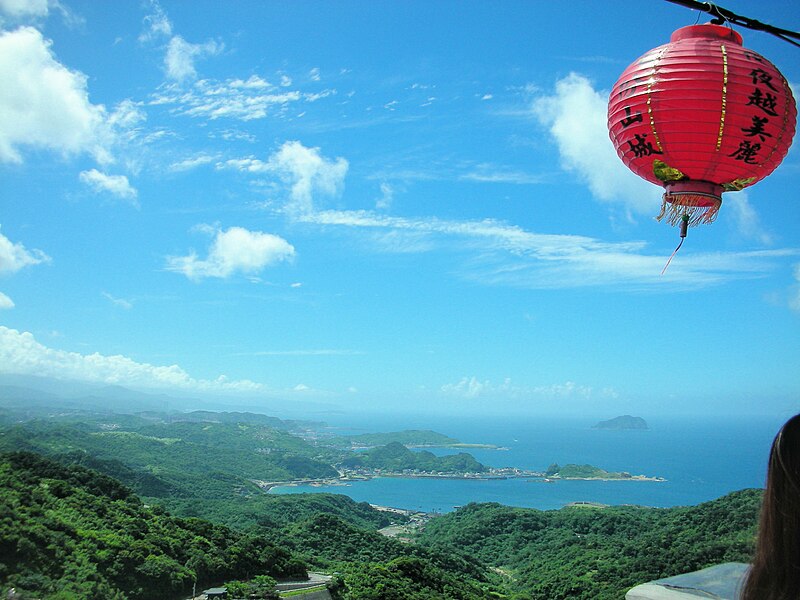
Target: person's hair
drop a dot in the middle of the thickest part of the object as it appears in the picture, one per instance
(775, 573)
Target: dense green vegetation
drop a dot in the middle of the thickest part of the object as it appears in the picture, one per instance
(69, 532)
(582, 472)
(395, 457)
(406, 578)
(372, 566)
(267, 512)
(179, 459)
(597, 554)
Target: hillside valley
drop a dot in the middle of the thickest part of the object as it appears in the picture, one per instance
(83, 488)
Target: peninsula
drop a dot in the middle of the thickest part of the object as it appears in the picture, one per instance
(410, 438)
(590, 472)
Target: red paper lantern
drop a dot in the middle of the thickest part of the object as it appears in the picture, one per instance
(701, 115)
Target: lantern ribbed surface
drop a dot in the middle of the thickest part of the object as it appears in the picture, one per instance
(700, 116)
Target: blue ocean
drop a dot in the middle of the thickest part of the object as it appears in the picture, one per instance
(701, 458)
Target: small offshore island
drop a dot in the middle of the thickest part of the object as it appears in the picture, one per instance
(590, 472)
(396, 459)
(623, 422)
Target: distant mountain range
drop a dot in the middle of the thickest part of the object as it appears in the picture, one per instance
(40, 393)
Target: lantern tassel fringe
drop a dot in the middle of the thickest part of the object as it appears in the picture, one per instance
(675, 208)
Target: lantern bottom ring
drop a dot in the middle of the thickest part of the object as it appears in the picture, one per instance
(697, 201)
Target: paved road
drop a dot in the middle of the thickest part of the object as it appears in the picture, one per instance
(316, 595)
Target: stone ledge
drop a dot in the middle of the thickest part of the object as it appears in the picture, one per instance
(720, 582)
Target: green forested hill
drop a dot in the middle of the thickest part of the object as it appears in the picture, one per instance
(373, 567)
(188, 459)
(397, 458)
(69, 529)
(268, 512)
(597, 554)
(69, 532)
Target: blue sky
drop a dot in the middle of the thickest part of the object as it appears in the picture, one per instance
(375, 206)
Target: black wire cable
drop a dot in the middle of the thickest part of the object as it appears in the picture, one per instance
(722, 15)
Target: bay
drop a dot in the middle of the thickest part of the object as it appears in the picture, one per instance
(701, 458)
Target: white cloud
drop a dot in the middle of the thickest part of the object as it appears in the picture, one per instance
(235, 250)
(575, 115)
(157, 25)
(313, 74)
(508, 255)
(321, 352)
(309, 173)
(121, 302)
(181, 56)
(21, 353)
(227, 99)
(127, 114)
(304, 169)
(387, 195)
(234, 135)
(745, 217)
(794, 292)
(472, 387)
(14, 257)
(116, 185)
(192, 163)
(43, 104)
(24, 8)
(6, 303)
(492, 174)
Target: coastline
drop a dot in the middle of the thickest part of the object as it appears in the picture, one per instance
(531, 476)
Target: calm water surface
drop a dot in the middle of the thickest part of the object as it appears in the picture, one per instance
(701, 459)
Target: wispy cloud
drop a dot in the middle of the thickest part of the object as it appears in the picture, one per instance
(19, 9)
(188, 164)
(472, 388)
(321, 352)
(14, 256)
(794, 290)
(504, 254)
(304, 170)
(181, 55)
(387, 195)
(226, 99)
(6, 303)
(499, 253)
(747, 220)
(121, 302)
(492, 174)
(116, 185)
(233, 251)
(156, 24)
